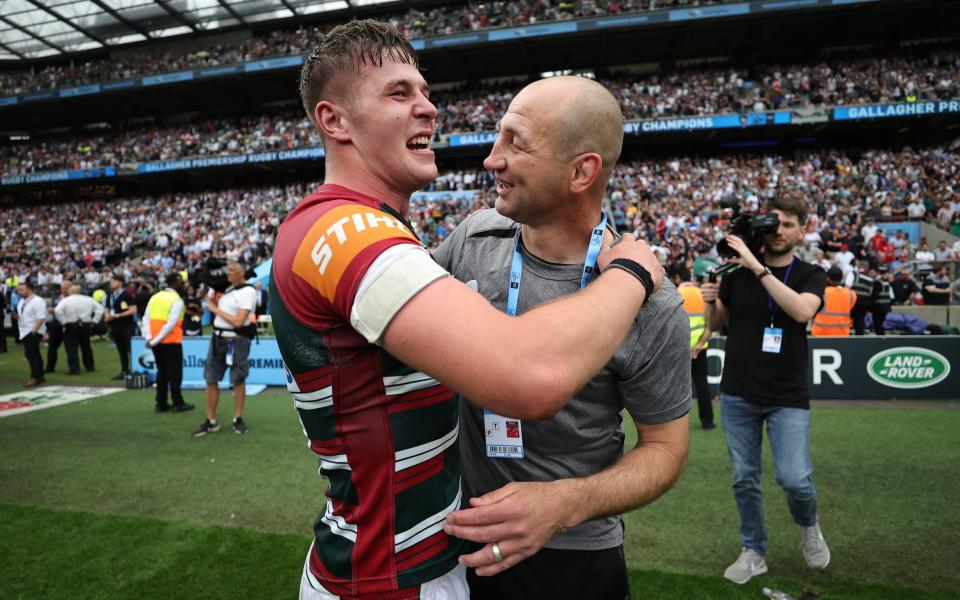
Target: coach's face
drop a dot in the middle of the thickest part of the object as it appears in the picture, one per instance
(529, 172)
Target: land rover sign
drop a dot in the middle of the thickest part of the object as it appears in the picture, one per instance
(908, 367)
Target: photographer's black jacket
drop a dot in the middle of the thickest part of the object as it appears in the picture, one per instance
(764, 377)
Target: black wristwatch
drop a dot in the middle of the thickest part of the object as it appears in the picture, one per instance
(766, 271)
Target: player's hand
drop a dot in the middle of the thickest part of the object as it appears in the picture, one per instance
(211, 305)
(710, 290)
(636, 250)
(520, 517)
(746, 259)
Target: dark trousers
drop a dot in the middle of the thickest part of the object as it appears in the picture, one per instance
(859, 313)
(77, 335)
(121, 337)
(557, 575)
(31, 350)
(698, 370)
(169, 359)
(54, 339)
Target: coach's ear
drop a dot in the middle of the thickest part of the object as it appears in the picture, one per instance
(585, 170)
(332, 120)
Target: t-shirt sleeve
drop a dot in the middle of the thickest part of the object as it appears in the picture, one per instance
(657, 387)
(364, 265)
(248, 299)
(814, 283)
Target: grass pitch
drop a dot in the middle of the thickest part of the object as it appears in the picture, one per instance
(105, 499)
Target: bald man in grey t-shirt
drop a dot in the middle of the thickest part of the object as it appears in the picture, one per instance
(561, 484)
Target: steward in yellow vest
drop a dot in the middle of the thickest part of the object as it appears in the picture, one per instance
(699, 337)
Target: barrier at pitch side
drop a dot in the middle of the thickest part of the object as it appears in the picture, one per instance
(871, 368)
(266, 365)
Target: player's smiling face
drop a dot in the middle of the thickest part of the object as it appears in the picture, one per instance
(391, 124)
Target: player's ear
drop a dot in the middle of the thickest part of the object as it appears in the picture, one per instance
(331, 121)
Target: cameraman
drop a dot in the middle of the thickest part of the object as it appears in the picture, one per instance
(229, 346)
(766, 305)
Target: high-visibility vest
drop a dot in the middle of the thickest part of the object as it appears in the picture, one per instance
(158, 311)
(695, 307)
(834, 319)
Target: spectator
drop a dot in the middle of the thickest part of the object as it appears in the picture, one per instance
(936, 287)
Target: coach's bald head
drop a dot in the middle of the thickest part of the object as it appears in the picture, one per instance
(580, 116)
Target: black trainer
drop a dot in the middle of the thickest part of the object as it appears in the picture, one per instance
(184, 407)
(161, 408)
(205, 428)
(239, 426)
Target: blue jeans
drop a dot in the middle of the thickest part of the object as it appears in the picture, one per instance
(788, 430)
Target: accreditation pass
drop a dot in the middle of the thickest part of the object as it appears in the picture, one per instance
(504, 436)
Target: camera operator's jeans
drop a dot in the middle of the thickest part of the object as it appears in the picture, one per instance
(788, 430)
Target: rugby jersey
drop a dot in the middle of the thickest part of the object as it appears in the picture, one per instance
(386, 435)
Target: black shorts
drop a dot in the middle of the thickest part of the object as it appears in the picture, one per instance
(558, 575)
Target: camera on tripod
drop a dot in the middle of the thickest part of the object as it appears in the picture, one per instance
(749, 227)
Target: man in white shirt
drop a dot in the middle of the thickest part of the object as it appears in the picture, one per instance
(233, 329)
(845, 258)
(31, 321)
(916, 210)
(78, 313)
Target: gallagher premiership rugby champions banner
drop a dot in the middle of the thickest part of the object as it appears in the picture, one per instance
(266, 365)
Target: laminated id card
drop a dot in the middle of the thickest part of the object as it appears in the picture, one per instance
(772, 338)
(504, 436)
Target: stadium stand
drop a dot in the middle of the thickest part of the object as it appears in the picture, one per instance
(681, 93)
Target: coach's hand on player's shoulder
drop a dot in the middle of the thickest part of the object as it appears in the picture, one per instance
(520, 517)
(639, 251)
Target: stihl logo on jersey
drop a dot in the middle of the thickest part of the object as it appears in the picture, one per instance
(343, 228)
(337, 238)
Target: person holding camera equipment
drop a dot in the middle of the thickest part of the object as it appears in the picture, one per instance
(78, 314)
(765, 304)
(233, 330)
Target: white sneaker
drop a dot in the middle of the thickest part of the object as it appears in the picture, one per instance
(815, 549)
(746, 566)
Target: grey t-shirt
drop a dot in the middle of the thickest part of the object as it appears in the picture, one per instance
(649, 375)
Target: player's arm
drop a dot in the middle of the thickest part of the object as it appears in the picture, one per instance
(526, 366)
(523, 516)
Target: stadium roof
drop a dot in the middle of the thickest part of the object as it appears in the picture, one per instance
(32, 29)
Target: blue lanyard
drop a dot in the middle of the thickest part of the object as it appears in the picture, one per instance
(589, 264)
(773, 306)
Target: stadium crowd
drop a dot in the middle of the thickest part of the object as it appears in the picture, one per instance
(686, 92)
(674, 203)
(417, 22)
(141, 238)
